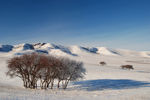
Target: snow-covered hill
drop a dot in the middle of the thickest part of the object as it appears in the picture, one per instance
(49, 48)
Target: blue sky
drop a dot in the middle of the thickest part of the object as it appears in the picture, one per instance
(111, 23)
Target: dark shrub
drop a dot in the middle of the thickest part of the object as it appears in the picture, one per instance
(127, 67)
(102, 63)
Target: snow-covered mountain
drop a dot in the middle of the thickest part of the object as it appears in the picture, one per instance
(49, 48)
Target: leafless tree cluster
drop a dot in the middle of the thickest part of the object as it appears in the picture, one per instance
(34, 68)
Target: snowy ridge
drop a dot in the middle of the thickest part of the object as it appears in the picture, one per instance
(49, 48)
(107, 51)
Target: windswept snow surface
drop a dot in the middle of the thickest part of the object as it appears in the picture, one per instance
(108, 82)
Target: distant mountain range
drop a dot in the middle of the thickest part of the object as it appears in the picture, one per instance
(49, 48)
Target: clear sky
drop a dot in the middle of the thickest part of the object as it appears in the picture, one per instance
(111, 23)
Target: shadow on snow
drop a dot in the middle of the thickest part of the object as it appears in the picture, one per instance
(101, 84)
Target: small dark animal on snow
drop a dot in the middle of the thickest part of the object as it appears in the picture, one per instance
(102, 63)
(127, 67)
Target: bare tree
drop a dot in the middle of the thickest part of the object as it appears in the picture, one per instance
(50, 73)
(71, 71)
(27, 67)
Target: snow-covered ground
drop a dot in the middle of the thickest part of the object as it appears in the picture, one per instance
(108, 82)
